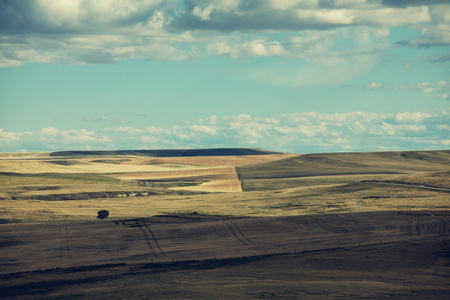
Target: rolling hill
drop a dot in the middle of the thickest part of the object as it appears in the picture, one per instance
(168, 153)
(324, 164)
(314, 226)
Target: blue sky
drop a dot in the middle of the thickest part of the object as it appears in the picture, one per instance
(288, 75)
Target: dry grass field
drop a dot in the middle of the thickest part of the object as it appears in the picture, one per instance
(225, 223)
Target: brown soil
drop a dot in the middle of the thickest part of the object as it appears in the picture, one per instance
(27, 247)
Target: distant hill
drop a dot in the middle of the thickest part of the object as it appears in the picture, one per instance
(348, 163)
(169, 153)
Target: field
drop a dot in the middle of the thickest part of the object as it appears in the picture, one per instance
(225, 223)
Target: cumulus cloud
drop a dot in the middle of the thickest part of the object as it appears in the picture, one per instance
(78, 136)
(296, 132)
(436, 32)
(129, 130)
(9, 137)
(204, 129)
(405, 3)
(293, 15)
(50, 138)
(72, 16)
(106, 31)
(412, 117)
(85, 32)
(254, 48)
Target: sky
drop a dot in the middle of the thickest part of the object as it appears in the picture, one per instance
(302, 76)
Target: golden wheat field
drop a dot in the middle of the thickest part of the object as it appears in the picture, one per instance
(41, 187)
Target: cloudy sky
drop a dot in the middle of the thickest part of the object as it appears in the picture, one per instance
(288, 75)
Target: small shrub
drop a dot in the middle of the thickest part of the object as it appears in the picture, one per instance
(102, 214)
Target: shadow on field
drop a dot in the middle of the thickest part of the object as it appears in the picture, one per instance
(416, 269)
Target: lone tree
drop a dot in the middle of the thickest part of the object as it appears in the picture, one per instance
(102, 214)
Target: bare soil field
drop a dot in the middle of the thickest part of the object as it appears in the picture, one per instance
(352, 256)
(229, 223)
(167, 238)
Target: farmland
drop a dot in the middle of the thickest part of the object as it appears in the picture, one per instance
(242, 223)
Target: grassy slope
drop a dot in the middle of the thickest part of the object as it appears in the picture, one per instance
(340, 164)
(282, 191)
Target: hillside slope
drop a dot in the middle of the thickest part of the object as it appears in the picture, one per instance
(349, 163)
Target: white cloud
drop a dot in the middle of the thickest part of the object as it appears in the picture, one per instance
(443, 127)
(254, 48)
(434, 33)
(412, 116)
(202, 13)
(129, 130)
(157, 130)
(289, 4)
(79, 13)
(6, 136)
(53, 137)
(49, 131)
(296, 132)
(375, 85)
(290, 15)
(204, 129)
(392, 16)
(433, 87)
(150, 139)
(106, 31)
(438, 89)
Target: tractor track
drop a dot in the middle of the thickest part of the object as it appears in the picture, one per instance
(341, 231)
(147, 240)
(239, 235)
(419, 228)
(153, 237)
(64, 251)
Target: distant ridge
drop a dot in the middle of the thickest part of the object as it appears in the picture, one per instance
(170, 153)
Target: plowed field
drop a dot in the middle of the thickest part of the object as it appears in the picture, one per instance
(170, 238)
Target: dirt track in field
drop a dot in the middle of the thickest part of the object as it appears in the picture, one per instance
(26, 247)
